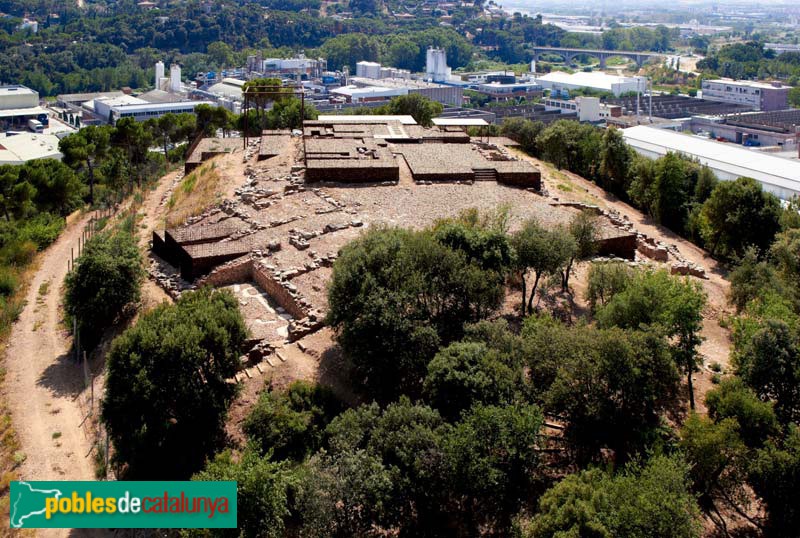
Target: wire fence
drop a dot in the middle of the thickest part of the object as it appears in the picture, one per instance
(87, 401)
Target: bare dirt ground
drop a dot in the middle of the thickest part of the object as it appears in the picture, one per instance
(716, 346)
(44, 384)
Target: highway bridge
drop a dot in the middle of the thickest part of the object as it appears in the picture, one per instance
(569, 54)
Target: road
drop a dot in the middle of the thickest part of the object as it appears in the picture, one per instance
(43, 384)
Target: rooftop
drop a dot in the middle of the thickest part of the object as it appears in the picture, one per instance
(355, 91)
(145, 106)
(160, 96)
(731, 158)
(396, 83)
(595, 79)
(751, 83)
(24, 147)
(459, 122)
(364, 118)
(15, 112)
(120, 100)
(16, 89)
(83, 97)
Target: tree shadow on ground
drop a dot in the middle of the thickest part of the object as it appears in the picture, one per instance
(64, 376)
(336, 371)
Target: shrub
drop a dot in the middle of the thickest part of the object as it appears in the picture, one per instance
(291, 424)
(107, 278)
(42, 230)
(8, 281)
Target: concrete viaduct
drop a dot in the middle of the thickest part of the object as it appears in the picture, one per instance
(569, 54)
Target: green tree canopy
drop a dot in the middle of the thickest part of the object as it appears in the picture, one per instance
(612, 387)
(739, 214)
(643, 501)
(464, 374)
(167, 389)
(422, 109)
(655, 298)
(291, 424)
(544, 251)
(262, 501)
(107, 278)
(770, 365)
(395, 296)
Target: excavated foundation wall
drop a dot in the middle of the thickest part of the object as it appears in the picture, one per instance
(623, 246)
(277, 291)
(245, 269)
(531, 180)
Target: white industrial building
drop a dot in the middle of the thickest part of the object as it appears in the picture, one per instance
(102, 106)
(357, 94)
(588, 109)
(13, 97)
(171, 84)
(374, 70)
(146, 111)
(436, 65)
(18, 104)
(761, 96)
(292, 66)
(780, 48)
(559, 81)
(361, 118)
(777, 175)
(111, 110)
(368, 69)
(23, 147)
(392, 87)
(500, 91)
(229, 88)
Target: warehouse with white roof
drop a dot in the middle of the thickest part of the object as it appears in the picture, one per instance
(777, 175)
(558, 81)
(23, 147)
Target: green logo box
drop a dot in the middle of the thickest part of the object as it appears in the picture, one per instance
(122, 505)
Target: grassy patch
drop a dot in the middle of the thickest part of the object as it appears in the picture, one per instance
(564, 187)
(100, 469)
(44, 287)
(197, 192)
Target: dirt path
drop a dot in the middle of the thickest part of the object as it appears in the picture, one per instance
(44, 386)
(716, 345)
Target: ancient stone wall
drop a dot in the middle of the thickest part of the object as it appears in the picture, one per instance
(352, 171)
(238, 270)
(284, 293)
(532, 180)
(623, 246)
